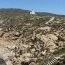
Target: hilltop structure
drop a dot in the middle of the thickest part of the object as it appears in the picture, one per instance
(32, 12)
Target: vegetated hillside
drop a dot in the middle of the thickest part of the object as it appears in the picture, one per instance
(27, 39)
(20, 12)
(12, 17)
(13, 12)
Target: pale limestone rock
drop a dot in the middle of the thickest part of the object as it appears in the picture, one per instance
(17, 33)
(11, 46)
(13, 38)
(44, 38)
(52, 46)
(1, 29)
(52, 37)
(43, 52)
(7, 55)
(49, 41)
(33, 50)
(3, 51)
(9, 62)
(26, 55)
(27, 59)
(47, 28)
(25, 46)
(38, 36)
(56, 33)
(61, 43)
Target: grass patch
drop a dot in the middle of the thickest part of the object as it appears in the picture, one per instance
(59, 52)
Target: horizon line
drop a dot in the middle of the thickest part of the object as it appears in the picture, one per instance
(34, 10)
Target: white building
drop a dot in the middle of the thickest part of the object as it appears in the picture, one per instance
(32, 12)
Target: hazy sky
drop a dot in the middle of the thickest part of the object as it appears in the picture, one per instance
(53, 6)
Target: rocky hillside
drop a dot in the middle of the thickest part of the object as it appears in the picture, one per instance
(31, 39)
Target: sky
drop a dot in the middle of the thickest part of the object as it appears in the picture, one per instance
(51, 6)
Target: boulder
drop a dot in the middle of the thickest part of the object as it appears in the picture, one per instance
(49, 41)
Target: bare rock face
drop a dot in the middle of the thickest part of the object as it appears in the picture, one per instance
(52, 37)
(49, 41)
